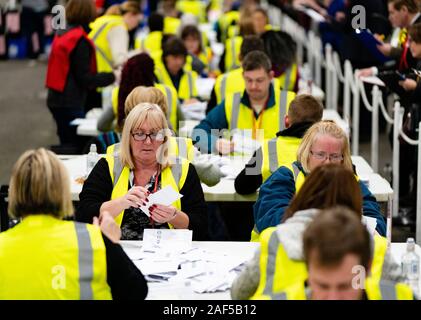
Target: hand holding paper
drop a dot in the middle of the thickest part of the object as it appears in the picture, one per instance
(164, 197)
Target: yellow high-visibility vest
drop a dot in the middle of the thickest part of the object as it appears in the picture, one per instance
(187, 88)
(171, 25)
(45, 258)
(289, 77)
(375, 290)
(99, 32)
(151, 43)
(174, 176)
(278, 271)
(225, 21)
(277, 152)
(194, 7)
(232, 53)
(271, 120)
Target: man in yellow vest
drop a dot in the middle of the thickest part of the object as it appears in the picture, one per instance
(233, 81)
(303, 112)
(259, 108)
(170, 70)
(338, 260)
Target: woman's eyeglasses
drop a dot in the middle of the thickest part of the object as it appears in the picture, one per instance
(323, 156)
(154, 136)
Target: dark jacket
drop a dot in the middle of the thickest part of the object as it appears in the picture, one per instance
(246, 183)
(277, 192)
(98, 187)
(79, 80)
(124, 278)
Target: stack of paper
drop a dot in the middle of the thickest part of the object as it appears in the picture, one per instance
(194, 111)
(175, 261)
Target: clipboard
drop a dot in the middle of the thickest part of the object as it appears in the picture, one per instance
(370, 42)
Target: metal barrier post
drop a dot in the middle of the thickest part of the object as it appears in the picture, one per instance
(355, 117)
(375, 129)
(418, 227)
(398, 111)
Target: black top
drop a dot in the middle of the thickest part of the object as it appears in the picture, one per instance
(246, 183)
(98, 187)
(79, 80)
(124, 278)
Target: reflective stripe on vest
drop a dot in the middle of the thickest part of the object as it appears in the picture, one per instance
(169, 102)
(273, 155)
(283, 106)
(278, 152)
(277, 271)
(86, 264)
(98, 49)
(223, 87)
(190, 81)
(387, 290)
(235, 110)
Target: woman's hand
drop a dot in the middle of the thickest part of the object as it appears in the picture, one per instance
(135, 197)
(162, 214)
(108, 226)
(408, 84)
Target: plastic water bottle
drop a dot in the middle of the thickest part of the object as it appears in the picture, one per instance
(411, 265)
(92, 159)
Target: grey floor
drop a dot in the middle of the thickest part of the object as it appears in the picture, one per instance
(26, 122)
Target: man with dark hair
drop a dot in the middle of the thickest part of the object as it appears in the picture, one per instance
(170, 69)
(259, 108)
(233, 80)
(303, 112)
(337, 252)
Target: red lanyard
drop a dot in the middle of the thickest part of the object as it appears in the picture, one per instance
(155, 188)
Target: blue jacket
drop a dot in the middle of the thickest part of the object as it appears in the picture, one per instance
(276, 194)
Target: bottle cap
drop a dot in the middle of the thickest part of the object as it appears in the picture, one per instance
(410, 244)
(93, 148)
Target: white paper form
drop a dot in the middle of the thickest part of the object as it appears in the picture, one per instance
(170, 240)
(165, 196)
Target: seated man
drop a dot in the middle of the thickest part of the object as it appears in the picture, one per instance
(303, 112)
(258, 107)
(337, 252)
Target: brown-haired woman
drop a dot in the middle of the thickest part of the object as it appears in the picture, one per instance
(327, 186)
(110, 34)
(72, 71)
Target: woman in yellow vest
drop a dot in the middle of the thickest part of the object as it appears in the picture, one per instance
(171, 69)
(122, 182)
(201, 55)
(325, 142)
(110, 34)
(138, 71)
(209, 173)
(281, 246)
(337, 253)
(45, 257)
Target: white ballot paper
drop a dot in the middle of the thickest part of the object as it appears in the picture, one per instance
(178, 240)
(165, 196)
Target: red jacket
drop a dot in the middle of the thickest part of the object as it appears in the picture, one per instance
(59, 60)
